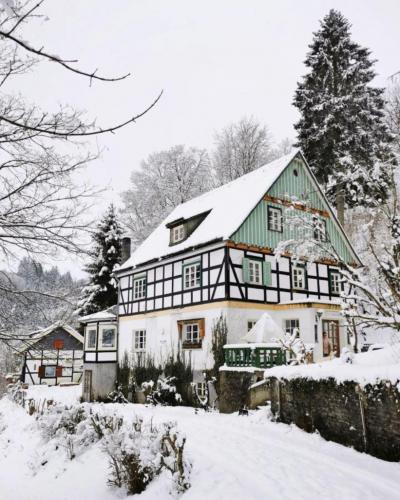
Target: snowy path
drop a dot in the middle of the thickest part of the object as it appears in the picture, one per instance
(234, 458)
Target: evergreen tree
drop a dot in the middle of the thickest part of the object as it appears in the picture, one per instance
(101, 292)
(342, 131)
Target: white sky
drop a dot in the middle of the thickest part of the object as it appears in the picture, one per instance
(216, 61)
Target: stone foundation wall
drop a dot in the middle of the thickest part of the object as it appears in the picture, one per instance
(234, 389)
(367, 419)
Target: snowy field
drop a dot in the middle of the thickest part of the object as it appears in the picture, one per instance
(233, 458)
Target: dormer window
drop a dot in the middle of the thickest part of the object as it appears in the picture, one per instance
(177, 233)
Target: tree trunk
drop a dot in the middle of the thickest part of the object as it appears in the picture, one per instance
(340, 204)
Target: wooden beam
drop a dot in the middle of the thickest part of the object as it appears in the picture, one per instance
(297, 206)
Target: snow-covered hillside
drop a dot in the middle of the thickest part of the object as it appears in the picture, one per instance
(233, 458)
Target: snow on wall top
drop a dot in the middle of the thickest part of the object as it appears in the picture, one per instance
(230, 204)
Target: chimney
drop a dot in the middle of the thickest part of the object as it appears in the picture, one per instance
(125, 249)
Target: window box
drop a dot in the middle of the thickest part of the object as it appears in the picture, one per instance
(274, 219)
(191, 274)
(191, 333)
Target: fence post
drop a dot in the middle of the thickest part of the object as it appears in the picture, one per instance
(362, 413)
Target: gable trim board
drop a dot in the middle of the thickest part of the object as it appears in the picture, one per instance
(221, 224)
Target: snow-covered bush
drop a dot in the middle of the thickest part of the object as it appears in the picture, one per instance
(139, 452)
(163, 392)
(347, 356)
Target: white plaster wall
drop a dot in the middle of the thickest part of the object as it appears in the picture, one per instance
(162, 335)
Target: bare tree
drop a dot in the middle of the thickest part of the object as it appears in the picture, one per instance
(42, 206)
(240, 148)
(164, 180)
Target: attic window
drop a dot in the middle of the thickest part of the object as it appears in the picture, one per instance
(295, 172)
(177, 233)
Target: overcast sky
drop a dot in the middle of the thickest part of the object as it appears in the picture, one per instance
(215, 60)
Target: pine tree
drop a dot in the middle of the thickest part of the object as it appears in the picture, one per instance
(342, 130)
(101, 292)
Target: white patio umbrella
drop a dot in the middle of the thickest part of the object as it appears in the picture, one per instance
(264, 330)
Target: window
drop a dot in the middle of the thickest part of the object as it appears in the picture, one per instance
(192, 333)
(139, 287)
(334, 282)
(200, 389)
(91, 336)
(275, 219)
(177, 233)
(290, 325)
(250, 324)
(140, 340)
(108, 337)
(319, 229)
(299, 277)
(58, 344)
(191, 275)
(49, 371)
(255, 272)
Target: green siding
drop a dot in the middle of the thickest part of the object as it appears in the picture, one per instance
(254, 230)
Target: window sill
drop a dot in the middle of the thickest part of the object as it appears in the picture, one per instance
(191, 345)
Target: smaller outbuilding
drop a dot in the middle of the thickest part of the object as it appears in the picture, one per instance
(100, 354)
(53, 356)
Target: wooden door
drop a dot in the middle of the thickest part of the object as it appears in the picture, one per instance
(331, 327)
(87, 385)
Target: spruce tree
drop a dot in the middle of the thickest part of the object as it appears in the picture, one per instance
(341, 129)
(101, 291)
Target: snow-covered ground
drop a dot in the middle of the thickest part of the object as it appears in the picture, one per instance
(365, 368)
(233, 458)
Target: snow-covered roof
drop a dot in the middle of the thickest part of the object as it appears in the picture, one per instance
(38, 335)
(264, 330)
(107, 314)
(229, 205)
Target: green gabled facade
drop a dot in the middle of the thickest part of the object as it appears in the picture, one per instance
(295, 182)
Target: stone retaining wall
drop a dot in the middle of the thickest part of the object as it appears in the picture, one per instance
(367, 419)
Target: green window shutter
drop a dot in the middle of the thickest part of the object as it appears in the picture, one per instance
(267, 273)
(245, 266)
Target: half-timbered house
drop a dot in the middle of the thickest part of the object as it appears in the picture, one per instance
(215, 255)
(53, 356)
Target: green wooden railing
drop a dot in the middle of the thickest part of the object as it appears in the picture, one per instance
(257, 357)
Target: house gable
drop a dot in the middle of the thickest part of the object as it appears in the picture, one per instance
(295, 182)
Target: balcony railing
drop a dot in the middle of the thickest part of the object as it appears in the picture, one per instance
(254, 355)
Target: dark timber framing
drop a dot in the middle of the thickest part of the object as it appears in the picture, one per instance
(220, 274)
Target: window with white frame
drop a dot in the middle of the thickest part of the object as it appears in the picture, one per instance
(91, 337)
(108, 337)
(275, 219)
(192, 333)
(191, 275)
(334, 282)
(291, 326)
(139, 287)
(319, 229)
(299, 277)
(255, 272)
(140, 340)
(201, 390)
(177, 233)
